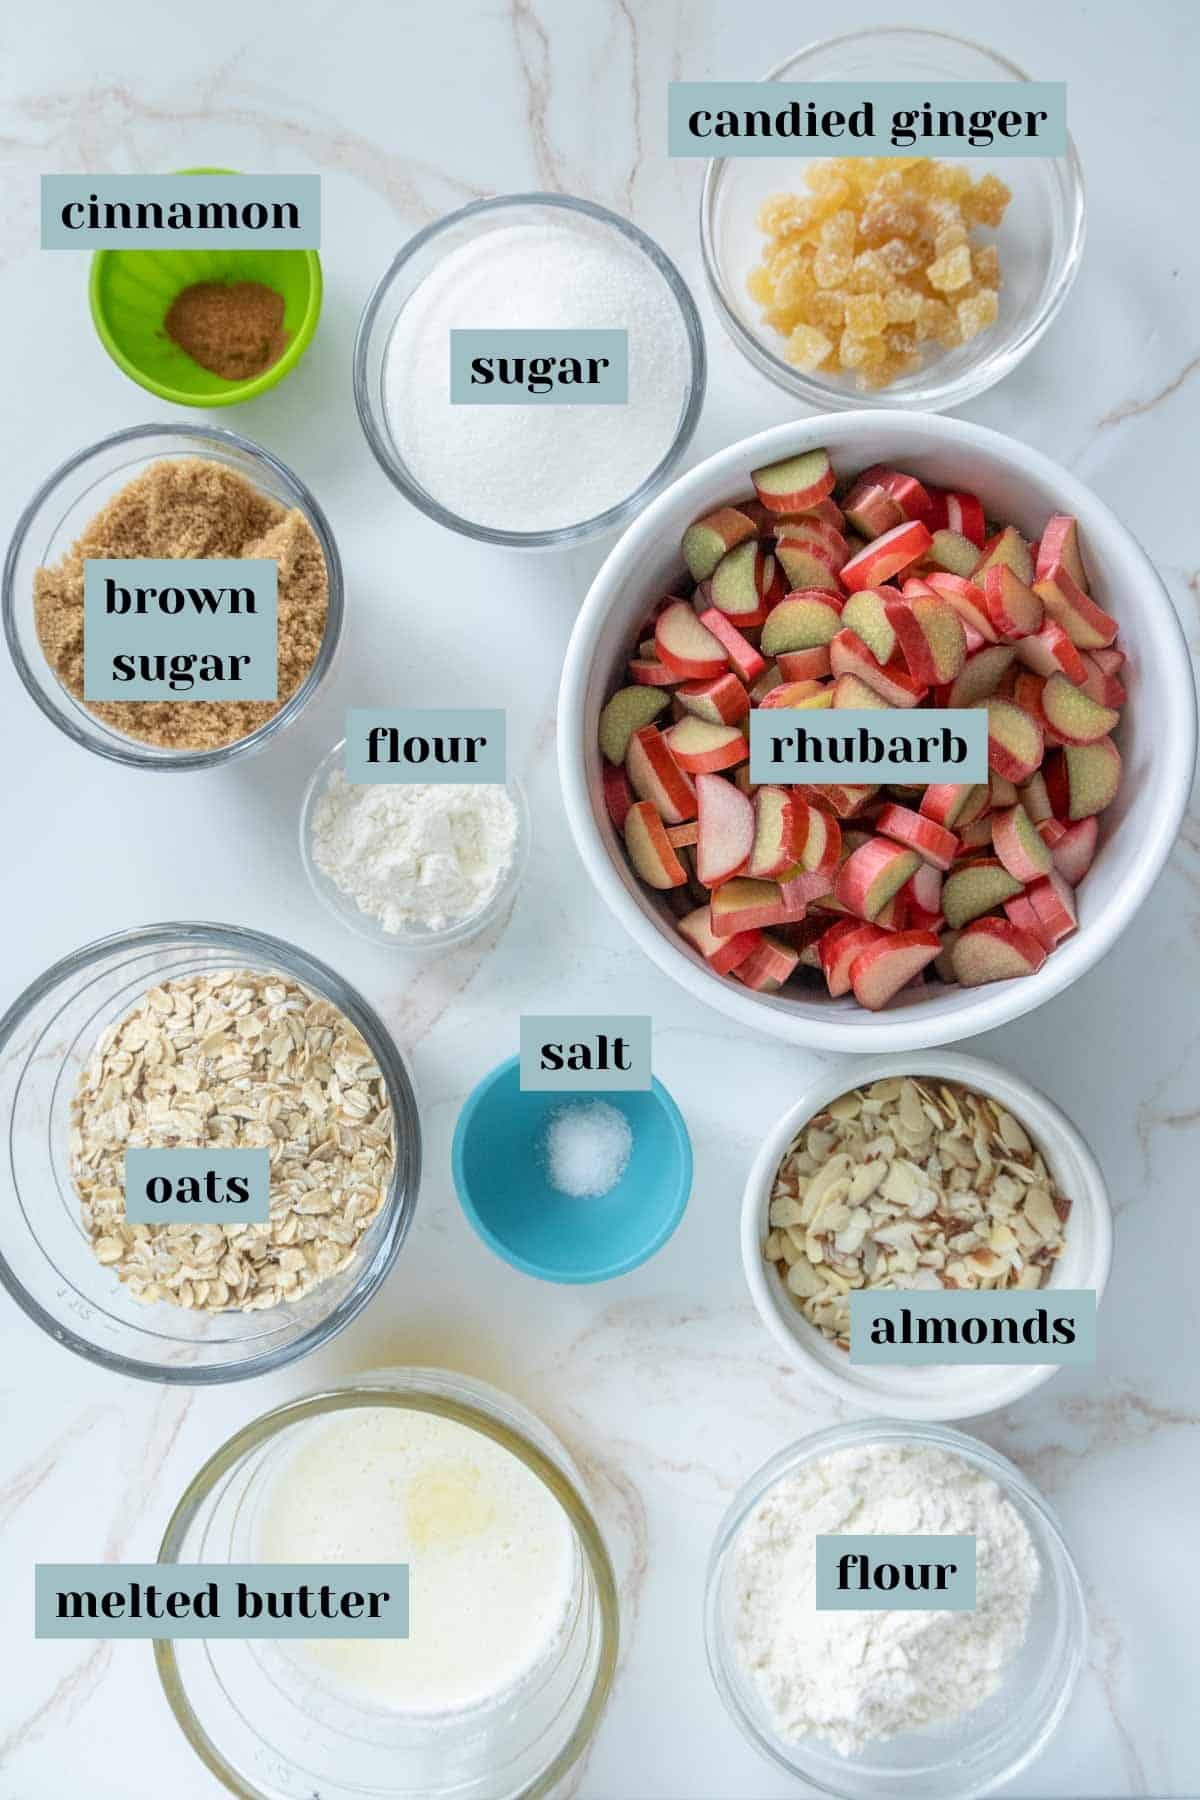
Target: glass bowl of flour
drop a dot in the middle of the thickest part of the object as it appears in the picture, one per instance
(930, 1702)
(416, 866)
(541, 463)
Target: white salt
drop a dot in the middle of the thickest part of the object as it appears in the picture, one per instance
(587, 1148)
(536, 467)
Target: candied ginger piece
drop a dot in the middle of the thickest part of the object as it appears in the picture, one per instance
(949, 181)
(884, 219)
(831, 267)
(978, 312)
(933, 318)
(950, 271)
(900, 258)
(861, 353)
(866, 315)
(948, 239)
(759, 286)
(827, 309)
(838, 232)
(986, 263)
(785, 213)
(984, 204)
(902, 305)
(807, 347)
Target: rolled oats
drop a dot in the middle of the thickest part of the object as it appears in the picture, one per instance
(907, 1183)
(234, 1060)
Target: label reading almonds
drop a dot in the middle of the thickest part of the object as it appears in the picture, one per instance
(947, 1325)
(894, 744)
(180, 628)
(887, 1572)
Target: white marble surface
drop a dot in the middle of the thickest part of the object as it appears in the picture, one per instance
(662, 1383)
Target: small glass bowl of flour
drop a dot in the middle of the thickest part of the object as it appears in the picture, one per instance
(915, 1705)
(548, 470)
(413, 865)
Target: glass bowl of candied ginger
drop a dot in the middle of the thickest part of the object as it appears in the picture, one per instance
(913, 280)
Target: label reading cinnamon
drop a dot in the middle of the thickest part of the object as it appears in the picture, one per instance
(195, 210)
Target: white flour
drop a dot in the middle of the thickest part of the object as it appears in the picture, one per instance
(850, 1677)
(422, 855)
(536, 467)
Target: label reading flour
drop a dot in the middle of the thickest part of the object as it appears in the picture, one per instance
(585, 1053)
(180, 628)
(885, 1573)
(197, 1187)
(539, 368)
(405, 745)
(902, 744)
(1003, 1326)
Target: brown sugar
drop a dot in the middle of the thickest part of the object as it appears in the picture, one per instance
(233, 329)
(877, 260)
(189, 507)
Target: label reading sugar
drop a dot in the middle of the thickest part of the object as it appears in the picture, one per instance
(894, 744)
(877, 118)
(893, 1573)
(404, 744)
(195, 211)
(221, 1600)
(1010, 1325)
(539, 368)
(197, 1187)
(180, 628)
(585, 1053)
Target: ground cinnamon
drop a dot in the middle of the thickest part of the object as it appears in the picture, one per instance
(192, 508)
(233, 329)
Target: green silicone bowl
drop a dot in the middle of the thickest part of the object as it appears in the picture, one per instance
(131, 292)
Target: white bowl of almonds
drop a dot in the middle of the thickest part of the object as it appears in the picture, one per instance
(934, 1171)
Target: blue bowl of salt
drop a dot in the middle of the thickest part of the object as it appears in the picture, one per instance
(507, 1145)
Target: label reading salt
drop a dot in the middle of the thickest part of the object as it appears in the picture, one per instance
(902, 744)
(197, 211)
(197, 1187)
(539, 368)
(221, 1600)
(945, 1325)
(404, 744)
(585, 1053)
(180, 628)
(888, 1572)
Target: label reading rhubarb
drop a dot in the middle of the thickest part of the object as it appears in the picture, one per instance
(197, 211)
(180, 628)
(197, 1187)
(889, 1572)
(894, 744)
(405, 744)
(585, 1053)
(1011, 1325)
(221, 1600)
(877, 118)
(539, 368)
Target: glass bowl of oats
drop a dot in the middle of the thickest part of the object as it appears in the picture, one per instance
(910, 283)
(933, 1172)
(200, 1037)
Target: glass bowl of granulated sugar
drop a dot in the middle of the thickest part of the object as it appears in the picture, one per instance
(416, 866)
(564, 435)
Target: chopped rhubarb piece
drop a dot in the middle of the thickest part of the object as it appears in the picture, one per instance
(1051, 652)
(686, 645)
(702, 748)
(886, 556)
(871, 509)
(776, 834)
(953, 553)
(745, 905)
(1099, 684)
(879, 972)
(680, 836)
(911, 496)
(1073, 716)
(796, 483)
(618, 795)
(995, 950)
(801, 622)
(1085, 623)
(1053, 901)
(930, 635)
(844, 798)
(944, 802)
(655, 775)
(1059, 547)
(740, 581)
(804, 665)
(976, 888)
(706, 542)
(721, 953)
(1085, 780)
(865, 614)
(1017, 844)
(648, 672)
(1009, 548)
(799, 694)
(1073, 851)
(968, 601)
(805, 567)
(1021, 913)
(848, 655)
(650, 850)
(722, 701)
(726, 829)
(980, 675)
(768, 966)
(839, 947)
(1015, 742)
(933, 843)
(628, 710)
(1014, 609)
(871, 875)
(739, 650)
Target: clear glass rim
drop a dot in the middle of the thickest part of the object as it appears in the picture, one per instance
(406, 1175)
(474, 1417)
(934, 395)
(128, 751)
(395, 469)
(362, 924)
(860, 1433)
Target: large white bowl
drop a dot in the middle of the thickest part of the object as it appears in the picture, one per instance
(1157, 735)
(928, 1391)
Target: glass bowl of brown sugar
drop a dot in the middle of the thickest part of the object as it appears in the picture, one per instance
(169, 492)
